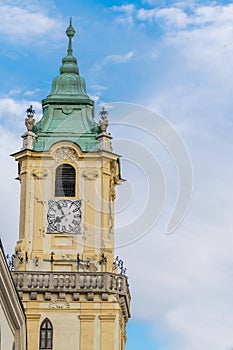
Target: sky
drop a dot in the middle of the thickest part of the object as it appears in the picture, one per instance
(163, 69)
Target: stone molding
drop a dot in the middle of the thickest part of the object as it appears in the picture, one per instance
(87, 318)
(34, 317)
(107, 318)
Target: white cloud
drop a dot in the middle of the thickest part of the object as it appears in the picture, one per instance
(126, 13)
(31, 92)
(187, 285)
(186, 4)
(171, 16)
(12, 125)
(206, 43)
(13, 112)
(178, 17)
(124, 8)
(96, 92)
(95, 97)
(99, 87)
(155, 2)
(212, 14)
(9, 189)
(185, 279)
(116, 59)
(24, 24)
(15, 92)
(201, 34)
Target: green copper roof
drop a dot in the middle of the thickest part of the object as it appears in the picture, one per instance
(69, 84)
(68, 112)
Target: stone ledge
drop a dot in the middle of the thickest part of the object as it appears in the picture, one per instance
(87, 284)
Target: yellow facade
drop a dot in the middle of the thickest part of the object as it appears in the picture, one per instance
(96, 176)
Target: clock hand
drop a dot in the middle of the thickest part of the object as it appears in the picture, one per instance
(58, 219)
(60, 207)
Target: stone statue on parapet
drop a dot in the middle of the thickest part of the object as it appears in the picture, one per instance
(30, 121)
(103, 122)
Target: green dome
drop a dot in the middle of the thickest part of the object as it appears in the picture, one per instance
(68, 83)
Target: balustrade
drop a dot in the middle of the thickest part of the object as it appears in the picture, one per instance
(78, 281)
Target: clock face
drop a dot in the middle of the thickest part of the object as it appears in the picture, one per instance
(64, 216)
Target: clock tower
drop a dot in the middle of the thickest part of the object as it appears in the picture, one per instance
(75, 293)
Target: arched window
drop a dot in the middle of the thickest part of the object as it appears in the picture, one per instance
(65, 181)
(46, 334)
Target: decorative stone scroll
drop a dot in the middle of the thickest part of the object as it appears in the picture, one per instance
(90, 174)
(65, 153)
(59, 304)
(40, 174)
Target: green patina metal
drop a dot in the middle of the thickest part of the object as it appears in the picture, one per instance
(68, 112)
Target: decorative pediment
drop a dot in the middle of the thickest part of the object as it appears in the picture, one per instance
(65, 153)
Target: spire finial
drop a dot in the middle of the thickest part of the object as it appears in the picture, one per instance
(69, 63)
(70, 32)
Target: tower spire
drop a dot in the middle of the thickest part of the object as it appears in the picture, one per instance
(69, 92)
(69, 62)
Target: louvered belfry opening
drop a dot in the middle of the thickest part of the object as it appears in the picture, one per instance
(65, 181)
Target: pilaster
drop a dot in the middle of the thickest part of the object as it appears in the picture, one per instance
(107, 331)
(86, 331)
(33, 329)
